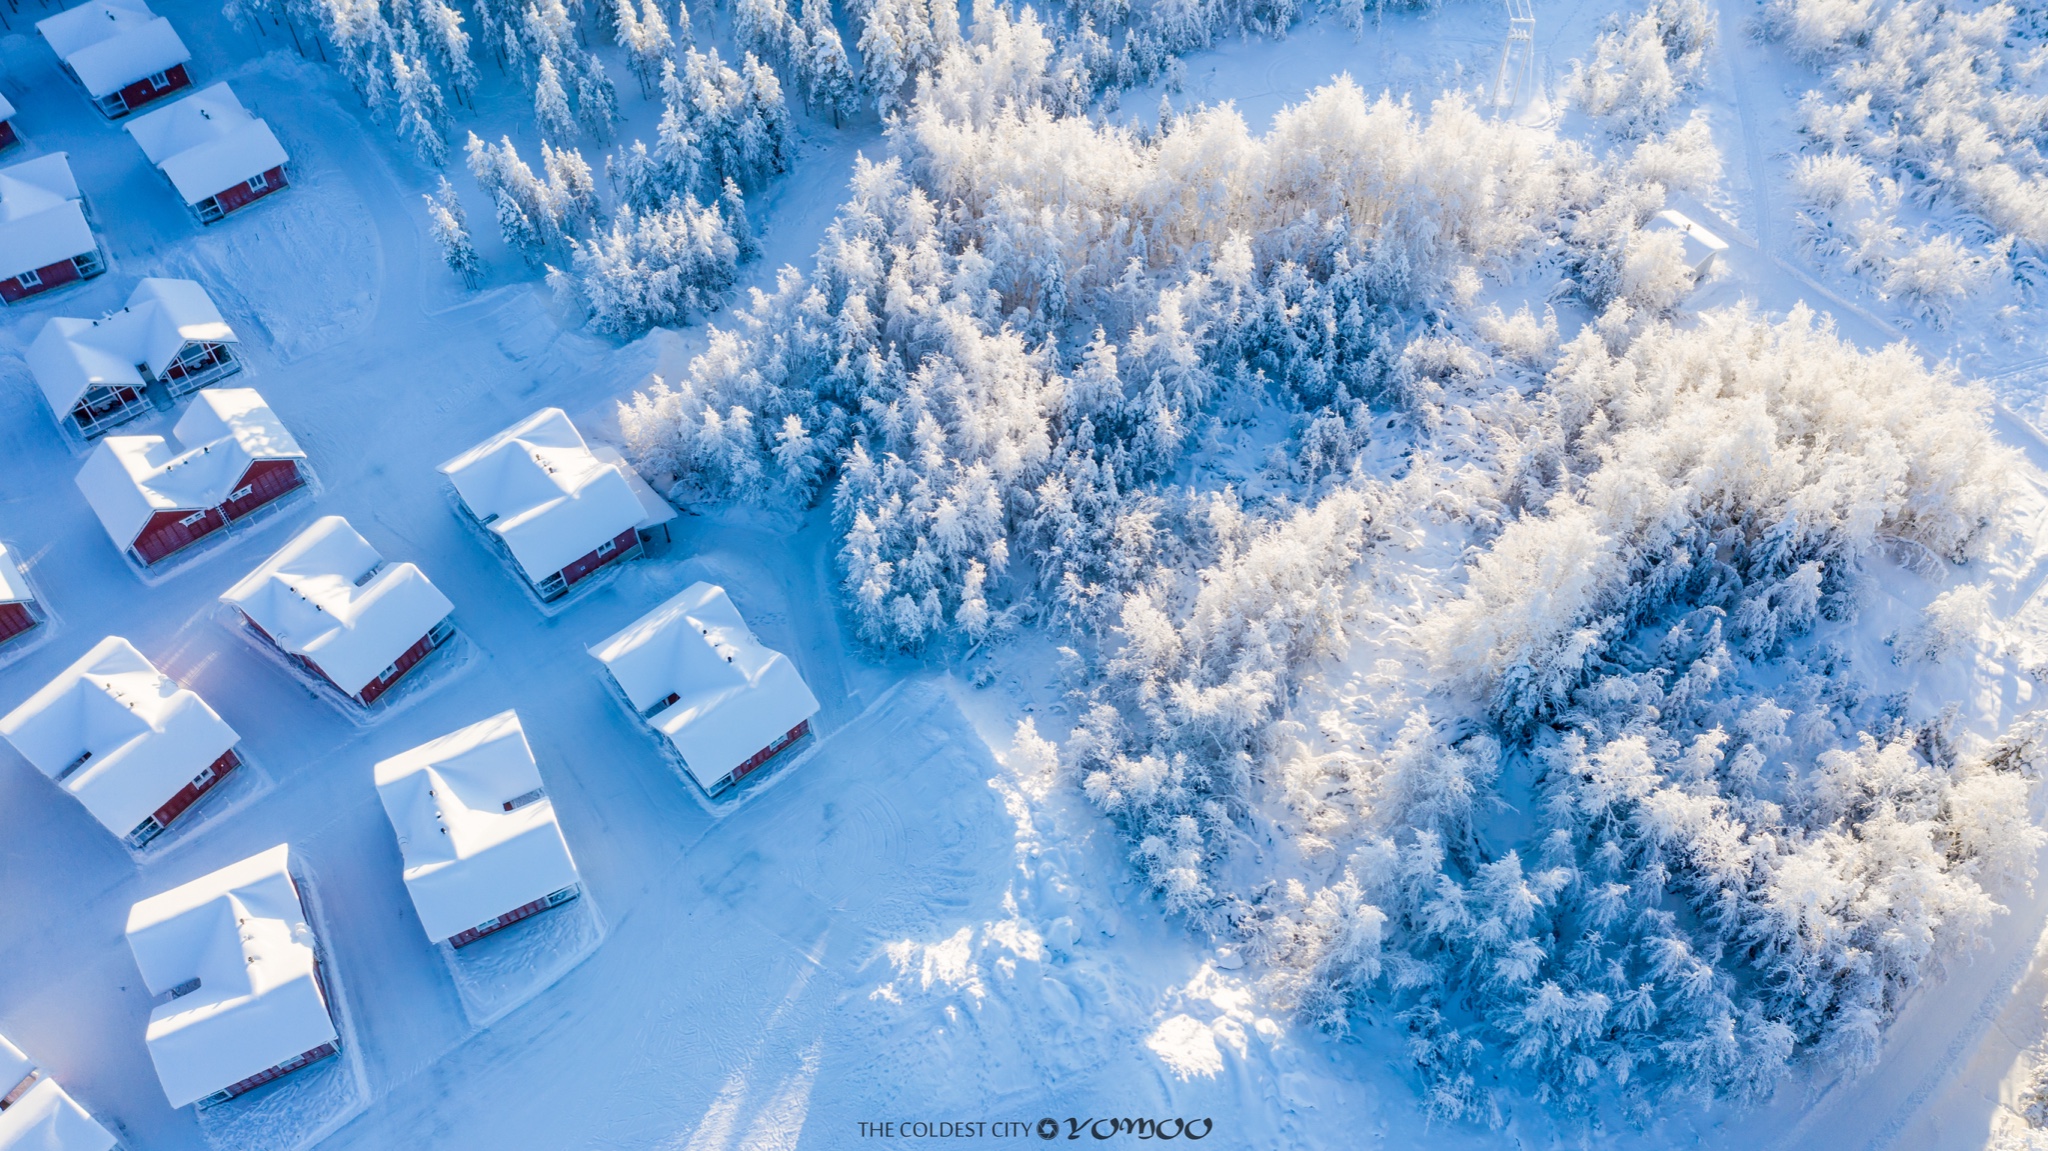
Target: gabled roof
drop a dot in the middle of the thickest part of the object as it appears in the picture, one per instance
(541, 490)
(141, 736)
(41, 219)
(734, 696)
(13, 585)
(242, 933)
(654, 511)
(207, 142)
(468, 858)
(128, 479)
(70, 356)
(328, 596)
(1700, 244)
(47, 1119)
(110, 44)
(14, 1066)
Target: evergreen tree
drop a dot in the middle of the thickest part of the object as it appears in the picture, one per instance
(633, 175)
(518, 229)
(551, 103)
(450, 44)
(762, 27)
(450, 226)
(885, 58)
(570, 187)
(421, 111)
(826, 74)
(733, 207)
(764, 145)
(597, 101)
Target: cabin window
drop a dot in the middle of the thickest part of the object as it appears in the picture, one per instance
(259, 181)
(194, 518)
(389, 673)
(31, 279)
(160, 80)
(607, 547)
(240, 493)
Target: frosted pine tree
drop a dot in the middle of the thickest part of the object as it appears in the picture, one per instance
(826, 74)
(514, 51)
(450, 226)
(885, 67)
(678, 159)
(570, 186)
(421, 111)
(450, 44)
(551, 103)
(646, 39)
(631, 171)
(764, 134)
(597, 101)
(762, 27)
(518, 229)
(733, 207)
(488, 29)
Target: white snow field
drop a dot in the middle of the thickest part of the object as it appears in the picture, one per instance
(914, 920)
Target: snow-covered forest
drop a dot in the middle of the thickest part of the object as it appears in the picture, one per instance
(1402, 573)
(1607, 566)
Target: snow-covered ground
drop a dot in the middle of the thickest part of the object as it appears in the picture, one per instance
(910, 924)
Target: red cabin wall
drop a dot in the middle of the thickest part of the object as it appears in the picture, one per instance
(523, 911)
(240, 196)
(7, 137)
(165, 535)
(404, 663)
(143, 92)
(269, 479)
(771, 751)
(283, 1069)
(54, 276)
(591, 562)
(190, 793)
(15, 618)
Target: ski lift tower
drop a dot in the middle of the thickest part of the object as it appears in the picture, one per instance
(1515, 55)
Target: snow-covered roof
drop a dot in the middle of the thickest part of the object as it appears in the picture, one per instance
(6, 108)
(207, 142)
(541, 490)
(71, 356)
(119, 735)
(13, 585)
(41, 219)
(110, 44)
(1701, 245)
(14, 1066)
(654, 511)
(328, 596)
(733, 696)
(467, 857)
(128, 479)
(48, 1119)
(242, 933)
